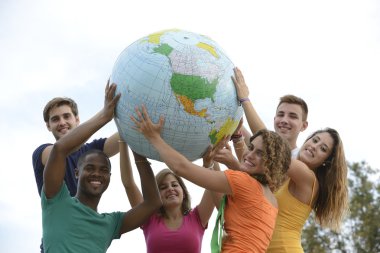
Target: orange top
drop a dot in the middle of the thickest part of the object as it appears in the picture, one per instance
(249, 217)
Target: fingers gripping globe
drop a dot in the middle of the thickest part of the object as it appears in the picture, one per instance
(183, 76)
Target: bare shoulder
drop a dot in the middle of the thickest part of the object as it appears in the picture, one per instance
(45, 154)
(111, 145)
(300, 173)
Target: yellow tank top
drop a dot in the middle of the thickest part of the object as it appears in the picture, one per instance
(291, 218)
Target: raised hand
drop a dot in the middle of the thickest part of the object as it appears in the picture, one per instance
(56, 165)
(144, 124)
(225, 156)
(240, 85)
(208, 157)
(239, 127)
(208, 160)
(110, 100)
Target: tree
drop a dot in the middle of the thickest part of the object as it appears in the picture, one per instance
(314, 239)
(365, 208)
(361, 229)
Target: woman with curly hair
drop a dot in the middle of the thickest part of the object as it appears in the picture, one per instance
(317, 180)
(251, 208)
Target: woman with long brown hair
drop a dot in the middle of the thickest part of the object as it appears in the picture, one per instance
(317, 182)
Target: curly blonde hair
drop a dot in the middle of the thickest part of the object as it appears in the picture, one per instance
(276, 158)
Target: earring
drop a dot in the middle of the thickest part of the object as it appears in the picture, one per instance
(323, 164)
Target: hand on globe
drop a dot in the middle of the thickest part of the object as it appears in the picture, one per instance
(144, 124)
(183, 76)
(240, 85)
(239, 127)
(213, 150)
(110, 101)
(225, 156)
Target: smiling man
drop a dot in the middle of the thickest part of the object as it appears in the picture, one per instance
(289, 121)
(61, 116)
(73, 224)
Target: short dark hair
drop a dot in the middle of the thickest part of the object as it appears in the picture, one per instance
(59, 101)
(291, 99)
(83, 156)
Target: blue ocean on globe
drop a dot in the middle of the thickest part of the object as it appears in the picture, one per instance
(184, 76)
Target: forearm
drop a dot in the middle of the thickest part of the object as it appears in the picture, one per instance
(228, 159)
(247, 136)
(69, 142)
(173, 159)
(254, 121)
(239, 147)
(55, 168)
(111, 146)
(206, 207)
(216, 196)
(209, 198)
(126, 173)
(149, 187)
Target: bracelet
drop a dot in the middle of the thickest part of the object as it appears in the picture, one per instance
(237, 140)
(236, 137)
(241, 100)
(211, 167)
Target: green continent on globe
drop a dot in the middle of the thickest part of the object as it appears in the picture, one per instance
(164, 49)
(189, 88)
(193, 87)
(183, 76)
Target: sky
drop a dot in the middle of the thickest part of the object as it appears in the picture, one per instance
(327, 52)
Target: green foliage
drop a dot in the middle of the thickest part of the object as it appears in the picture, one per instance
(318, 240)
(313, 240)
(365, 208)
(361, 229)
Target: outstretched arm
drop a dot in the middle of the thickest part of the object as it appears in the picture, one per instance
(180, 165)
(111, 146)
(304, 179)
(133, 192)
(254, 121)
(206, 206)
(56, 165)
(151, 201)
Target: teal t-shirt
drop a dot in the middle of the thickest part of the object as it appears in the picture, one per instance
(70, 226)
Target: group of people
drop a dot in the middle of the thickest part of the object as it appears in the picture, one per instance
(264, 197)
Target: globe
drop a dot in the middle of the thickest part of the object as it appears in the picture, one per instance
(184, 76)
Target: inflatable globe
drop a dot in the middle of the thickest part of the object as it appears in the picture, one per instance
(184, 76)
